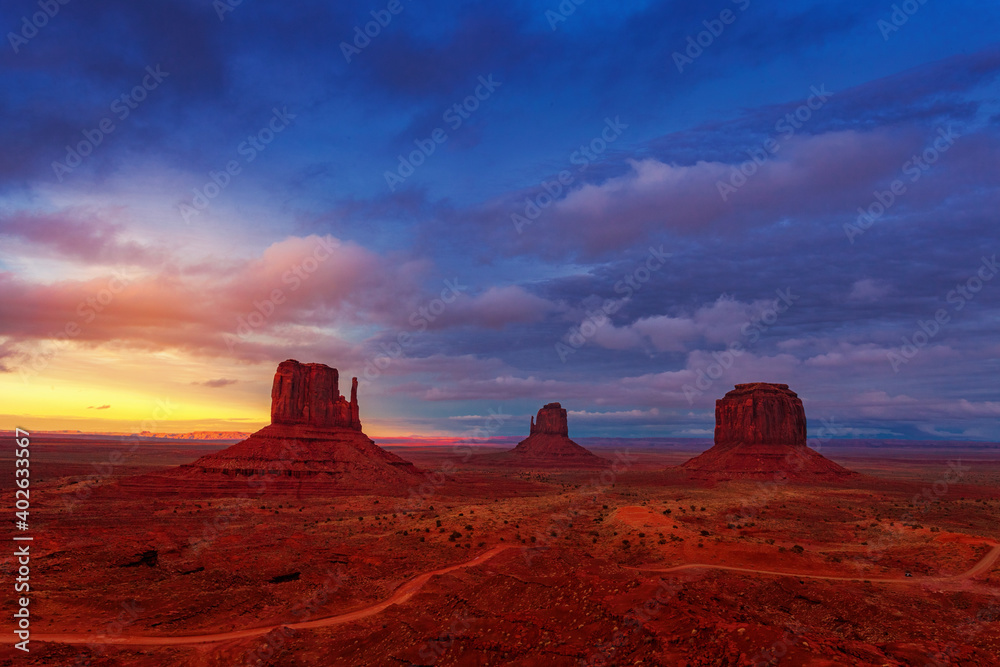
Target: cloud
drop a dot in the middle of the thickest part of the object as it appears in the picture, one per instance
(902, 407)
(194, 298)
(286, 299)
(809, 176)
(100, 407)
(868, 289)
(669, 186)
(80, 233)
(496, 308)
(444, 367)
(844, 355)
(719, 322)
(215, 384)
(615, 416)
(501, 387)
(663, 389)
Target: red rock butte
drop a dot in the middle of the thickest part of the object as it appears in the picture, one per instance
(548, 444)
(760, 432)
(310, 394)
(315, 433)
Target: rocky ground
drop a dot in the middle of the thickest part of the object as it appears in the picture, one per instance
(589, 576)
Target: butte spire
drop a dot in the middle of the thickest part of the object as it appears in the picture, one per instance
(548, 445)
(315, 434)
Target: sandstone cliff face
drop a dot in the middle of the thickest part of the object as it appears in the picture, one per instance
(760, 433)
(551, 421)
(760, 413)
(309, 394)
(315, 433)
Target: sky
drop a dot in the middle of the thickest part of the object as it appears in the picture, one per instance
(479, 208)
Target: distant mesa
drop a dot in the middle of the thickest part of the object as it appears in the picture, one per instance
(548, 445)
(760, 433)
(196, 435)
(315, 433)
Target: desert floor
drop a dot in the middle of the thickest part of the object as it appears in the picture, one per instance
(482, 565)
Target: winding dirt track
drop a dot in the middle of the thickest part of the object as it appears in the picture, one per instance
(406, 591)
(982, 566)
(402, 594)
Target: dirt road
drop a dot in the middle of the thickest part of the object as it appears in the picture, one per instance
(407, 590)
(982, 566)
(402, 594)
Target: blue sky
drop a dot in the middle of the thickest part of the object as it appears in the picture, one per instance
(253, 148)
